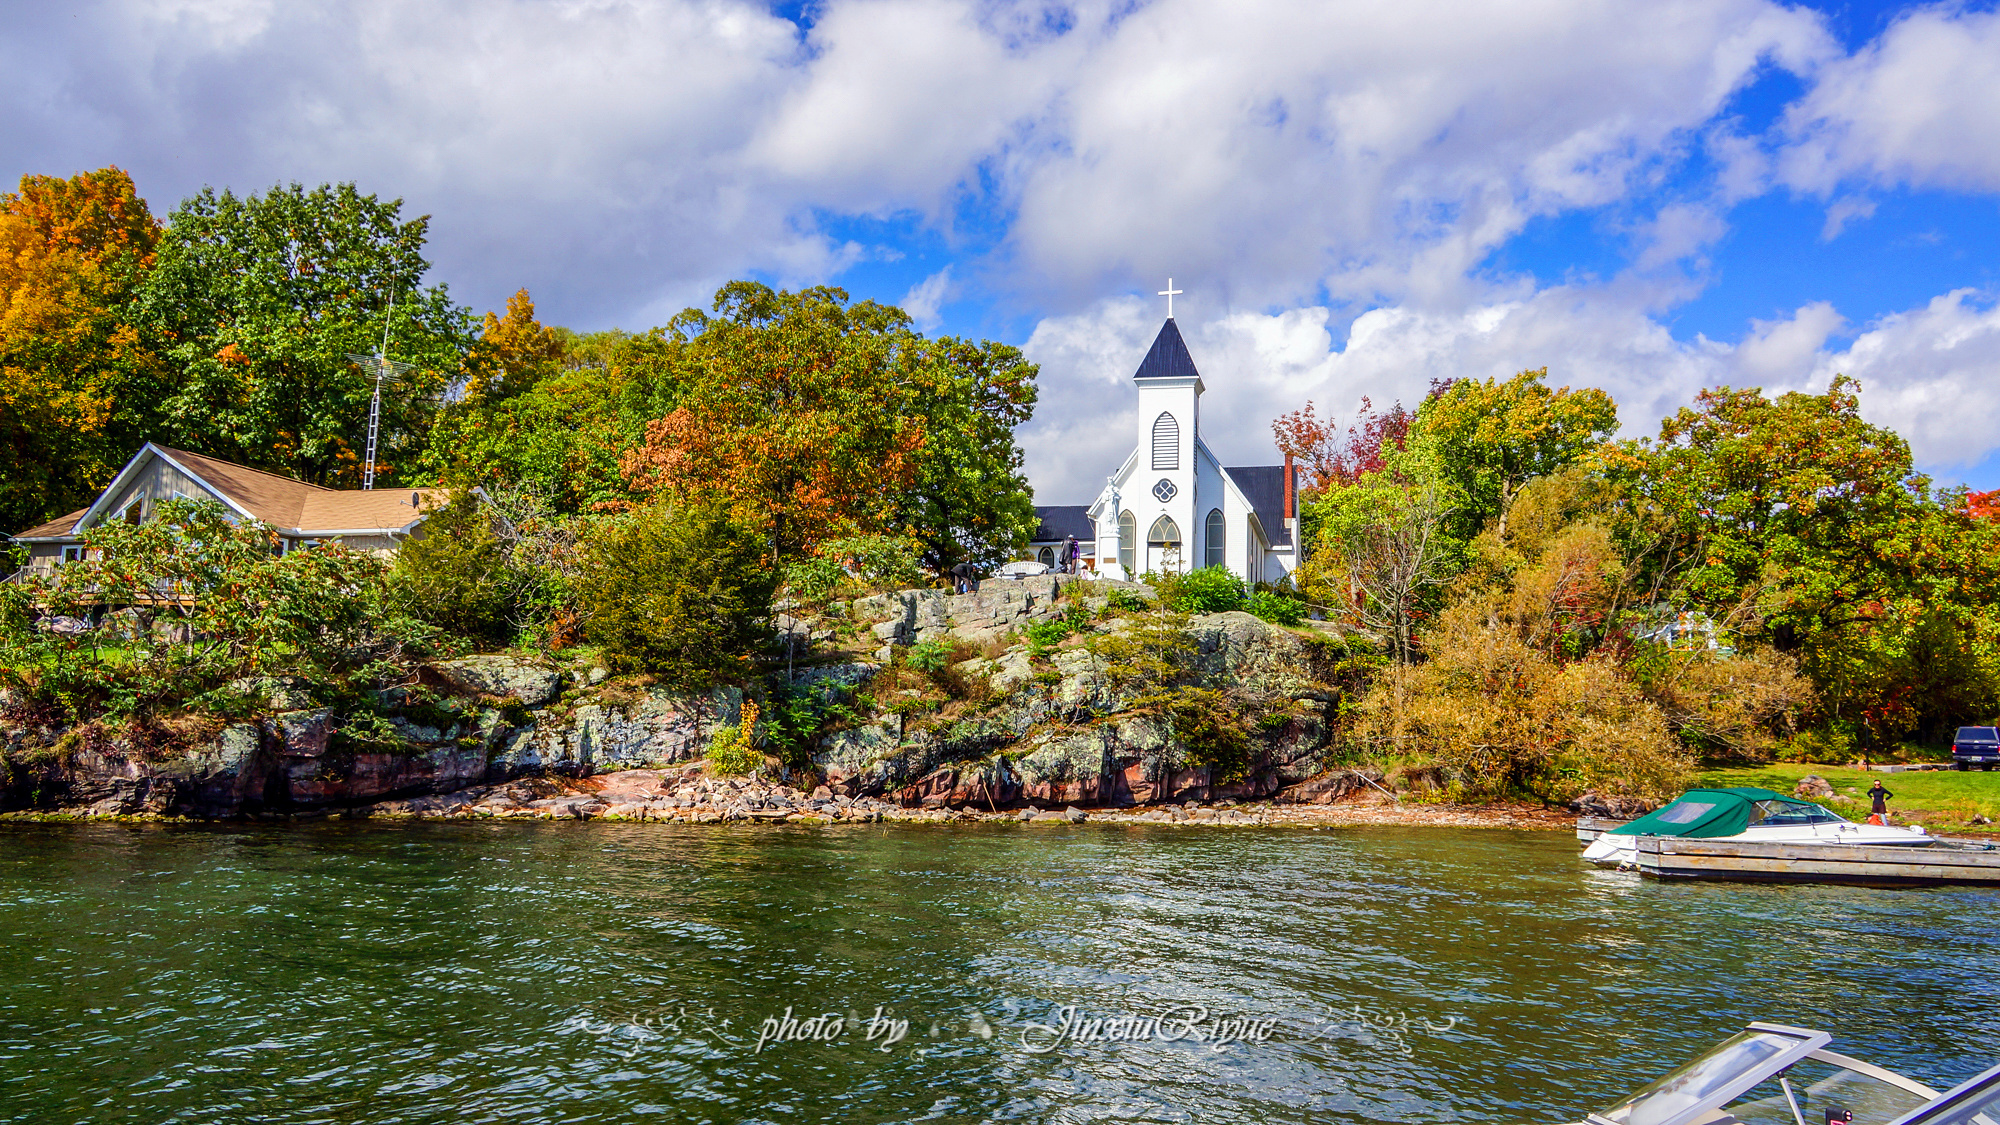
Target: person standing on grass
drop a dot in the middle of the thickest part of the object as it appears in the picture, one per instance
(1878, 800)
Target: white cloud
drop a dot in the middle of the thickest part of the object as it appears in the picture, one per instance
(1933, 374)
(1842, 212)
(926, 297)
(622, 156)
(1915, 107)
(1326, 180)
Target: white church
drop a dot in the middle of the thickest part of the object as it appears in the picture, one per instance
(1172, 507)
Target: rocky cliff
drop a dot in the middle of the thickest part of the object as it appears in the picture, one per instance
(1103, 708)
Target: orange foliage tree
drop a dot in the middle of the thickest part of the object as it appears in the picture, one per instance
(71, 251)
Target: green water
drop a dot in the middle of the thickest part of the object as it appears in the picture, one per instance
(585, 973)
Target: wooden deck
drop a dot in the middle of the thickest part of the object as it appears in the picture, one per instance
(1668, 857)
(1589, 828)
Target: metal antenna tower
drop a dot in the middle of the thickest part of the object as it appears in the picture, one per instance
(385, 370)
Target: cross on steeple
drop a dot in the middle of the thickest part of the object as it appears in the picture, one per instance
(1170, 293)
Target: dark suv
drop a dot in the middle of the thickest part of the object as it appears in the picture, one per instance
(1975, 746)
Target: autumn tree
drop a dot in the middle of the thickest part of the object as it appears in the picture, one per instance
(559, 426)
(1331, 455)
(1492, 437)
(1806, 527)
(514, 352)
(813, 418)
(76, 382)
(258, 301)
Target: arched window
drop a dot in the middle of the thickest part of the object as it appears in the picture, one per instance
(1165, 533)
(1047, 557)
(1128, 543)
(1166, 442)
(1212, 536)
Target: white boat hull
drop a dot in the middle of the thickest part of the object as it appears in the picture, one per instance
(1610, 850)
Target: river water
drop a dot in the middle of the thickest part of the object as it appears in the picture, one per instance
(478, 972)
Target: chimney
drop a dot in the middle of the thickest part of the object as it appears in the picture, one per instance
(1291, 489)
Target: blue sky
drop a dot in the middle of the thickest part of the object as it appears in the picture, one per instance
(1652, 197)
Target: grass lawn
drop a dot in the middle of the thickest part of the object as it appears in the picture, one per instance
(1942, 800)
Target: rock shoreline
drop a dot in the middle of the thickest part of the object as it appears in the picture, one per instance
(689, 796)
(995, 724)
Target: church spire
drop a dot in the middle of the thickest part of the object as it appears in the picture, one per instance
(1169, 358)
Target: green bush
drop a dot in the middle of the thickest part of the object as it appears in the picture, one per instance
(1276, 608)
(879, 561)
(1212, 589)
(930, 657)
(454, 574)
(682, 593)
(813, 580)
(1042, 634)
(1124, 600)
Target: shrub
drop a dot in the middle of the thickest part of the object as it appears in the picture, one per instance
(1212, 730)
(732, 750)
(813, 580)
(682, 593)
(1124, 600)
(1212, 589)
(930, 657)
(1276, 608)
(242, 609)
(1504, 718)
(454, 575)
(879, 561)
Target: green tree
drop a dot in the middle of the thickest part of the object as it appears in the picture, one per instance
(1491, 437)
(1384, 550)
(557, 428)
(1797, 523)
(258, 301)
(683, 593)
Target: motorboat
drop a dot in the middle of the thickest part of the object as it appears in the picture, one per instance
(1772, 1074)
(1748, 815)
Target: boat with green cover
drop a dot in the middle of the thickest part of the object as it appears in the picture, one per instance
(1749, 815)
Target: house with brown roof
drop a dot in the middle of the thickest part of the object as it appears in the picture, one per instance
(301, 514)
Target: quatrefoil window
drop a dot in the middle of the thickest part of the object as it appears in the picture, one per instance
(1165, 490)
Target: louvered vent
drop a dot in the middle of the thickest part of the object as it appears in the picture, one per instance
(1166, 443)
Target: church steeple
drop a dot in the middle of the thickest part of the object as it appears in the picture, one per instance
(1169, 358)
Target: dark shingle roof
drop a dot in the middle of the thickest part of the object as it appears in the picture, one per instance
(1060, 520)
(1169, 358)
(1264, 487)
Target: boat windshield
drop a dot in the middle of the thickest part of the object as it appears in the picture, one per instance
(1822, 1086)
(1738, 1063)
(1975, 1103)
(1778, 814)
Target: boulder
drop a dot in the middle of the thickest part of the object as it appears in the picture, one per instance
(1813, 786)
(532, 682)
(1329, 787)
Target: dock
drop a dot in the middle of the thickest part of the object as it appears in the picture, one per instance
(1942, 864)
(1589, 828)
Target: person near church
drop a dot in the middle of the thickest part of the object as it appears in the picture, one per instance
(1069, 555)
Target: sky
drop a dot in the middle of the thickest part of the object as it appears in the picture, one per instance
(1355, 198)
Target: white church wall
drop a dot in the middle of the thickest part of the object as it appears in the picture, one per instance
(1178, 399)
